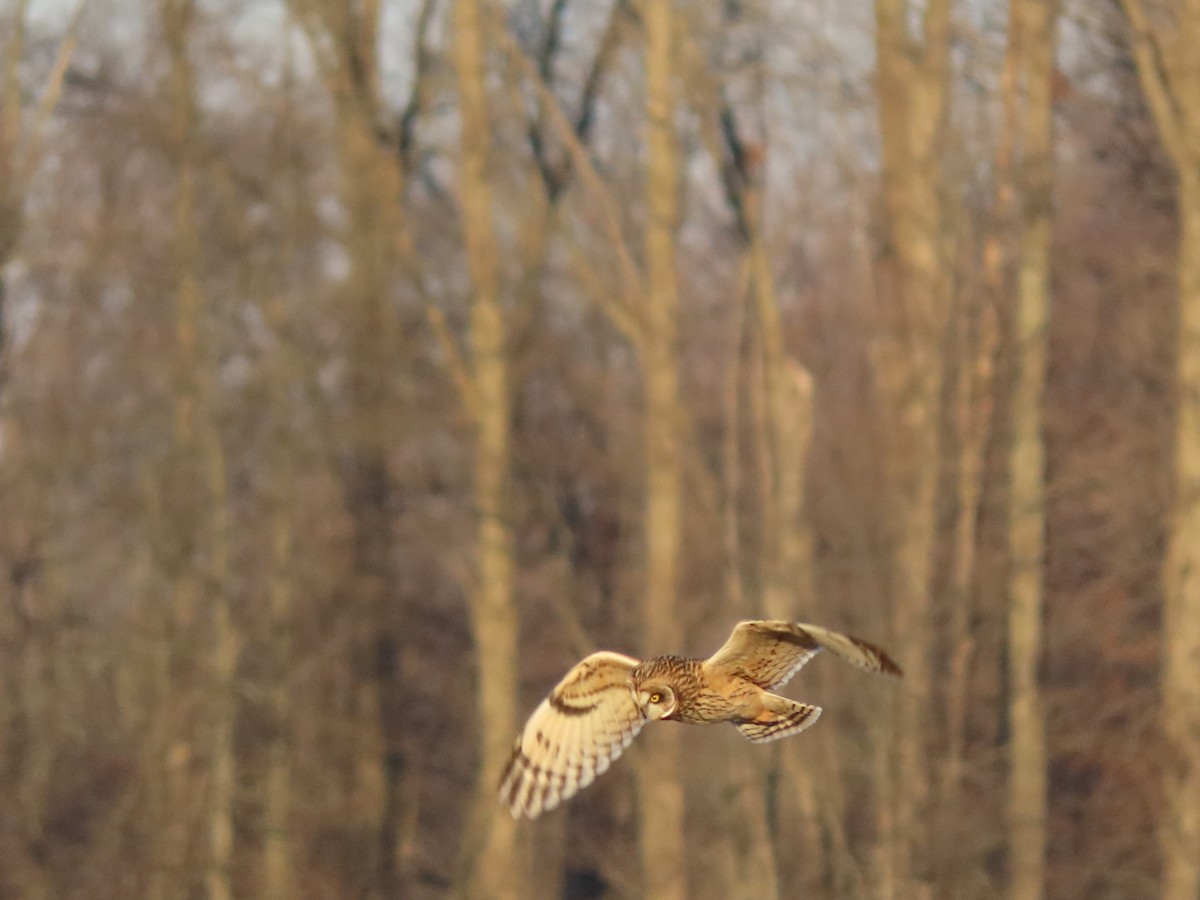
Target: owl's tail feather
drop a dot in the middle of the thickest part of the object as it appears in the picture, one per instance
(781, 718)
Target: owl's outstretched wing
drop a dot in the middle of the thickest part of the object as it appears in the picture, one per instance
(769, 653)
(574, 735)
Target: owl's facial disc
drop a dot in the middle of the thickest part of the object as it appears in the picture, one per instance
(656, 701)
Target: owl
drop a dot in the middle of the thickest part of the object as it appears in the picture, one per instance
(591, 716)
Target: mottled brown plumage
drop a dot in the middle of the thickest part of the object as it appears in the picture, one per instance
(590, 717)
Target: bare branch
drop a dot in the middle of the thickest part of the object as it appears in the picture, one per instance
(459, 370)
(1153, 69)
(10, 112)
(555, 176)
(549, 48)
(422, 58)
(52, 91)
(735, 169)
(589, 177)
(595, 78)
(620, 313)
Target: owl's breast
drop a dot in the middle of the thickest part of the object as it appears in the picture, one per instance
(722, 700)
(704, 705)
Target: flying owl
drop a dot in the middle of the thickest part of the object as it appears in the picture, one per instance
(599, 707)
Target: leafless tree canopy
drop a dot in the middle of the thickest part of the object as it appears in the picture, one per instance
(366, 363)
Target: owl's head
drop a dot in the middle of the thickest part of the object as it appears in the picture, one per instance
(656, 700)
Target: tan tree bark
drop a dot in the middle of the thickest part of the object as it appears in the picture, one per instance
(226, 644)
(975, 348)
(11, 200)
(977, 339)
(744, 860)
(815, 810)
(184, 587)
(1032, 25)
(29, 696)
(344, 38)
(205, 574)
(1181, 615)
(21, 148)
(660, 791)
(1164, 52)
(787, 406)
(496, 873)
(278, 872)
(738, 840)
(912, 93)
(645, 309)
(782, 409)
(278, 876)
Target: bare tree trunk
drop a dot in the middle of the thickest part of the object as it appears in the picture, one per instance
(787, 405)
(11, 201)
(1181, 615)
(225, 646)
(976, 347)
(344, 40)
(28, 689)
(744, 864)
(278, 875)
(277, 879)
(978, 341)
(1033, 24)
(23, 673)
(198, 439)
(912, 87)
(497, 872)
(191, 508)
(660, 791)
(782, 413)
(1171, 83)
(21, 149)
(787, 396)
(731, 451)
(744, 852)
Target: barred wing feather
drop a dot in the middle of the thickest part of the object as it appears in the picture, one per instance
(573, 736)
(769, 653)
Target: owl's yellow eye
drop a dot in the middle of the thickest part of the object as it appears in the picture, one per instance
(656, 697)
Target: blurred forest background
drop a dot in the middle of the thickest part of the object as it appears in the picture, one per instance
(365, 363)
